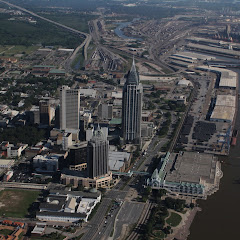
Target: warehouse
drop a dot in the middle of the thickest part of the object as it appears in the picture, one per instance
(214, 50)
(228, 78)
(224, 109)
(223, 114)
(226, 100)
(194, 56)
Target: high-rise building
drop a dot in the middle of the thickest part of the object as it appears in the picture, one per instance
(105, 111)
(132, 107)
(97, 155)
(69, 108)
(45, 112)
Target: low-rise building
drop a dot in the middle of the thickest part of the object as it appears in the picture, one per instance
(6, 163)
(67, 206)
(46, 163)
(189, 174)
(119, 161)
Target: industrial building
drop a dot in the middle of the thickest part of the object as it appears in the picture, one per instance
(189, 174)
(193, 56)
(228, 78)
(214, 50)
(224, 109)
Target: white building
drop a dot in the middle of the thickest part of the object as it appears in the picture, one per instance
(66, 141)
(15, 151)
(88, 92)
(69, 108)
(67, 206)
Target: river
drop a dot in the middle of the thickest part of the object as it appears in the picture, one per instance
(219, 218)
(120, 33)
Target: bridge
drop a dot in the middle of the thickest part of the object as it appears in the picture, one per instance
(131, 173)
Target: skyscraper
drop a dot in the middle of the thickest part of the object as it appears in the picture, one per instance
(132, 107)
(97, 155)
(45, 112)
(69, 108)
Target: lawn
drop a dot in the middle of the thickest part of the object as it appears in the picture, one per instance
(19, 49)
(6, 232)
(174, 219)
(159, 234)
(52, 236)
(15, 203)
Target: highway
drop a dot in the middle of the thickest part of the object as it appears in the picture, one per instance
(72, 30)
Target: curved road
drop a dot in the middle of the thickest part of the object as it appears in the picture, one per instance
(82, 34)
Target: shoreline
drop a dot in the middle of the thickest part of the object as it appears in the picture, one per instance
(182, 231)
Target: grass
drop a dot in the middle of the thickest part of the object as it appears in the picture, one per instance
(79, 60)
(3, 48)
(75, 20)
(20, 49)
(6, 232)
(91, 49)
(151, 67)
(174, 219)
(15, 203)
(52, 236)
(159, 234)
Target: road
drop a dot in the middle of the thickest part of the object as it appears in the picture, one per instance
(81, 34)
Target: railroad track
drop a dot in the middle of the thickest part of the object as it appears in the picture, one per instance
(145, 215)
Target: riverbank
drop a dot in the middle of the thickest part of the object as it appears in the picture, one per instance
(181, 232)
(220, 212)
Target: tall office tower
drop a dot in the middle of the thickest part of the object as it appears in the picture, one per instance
(69, 108)
(132, 107)
(97, 155)
(45, 112)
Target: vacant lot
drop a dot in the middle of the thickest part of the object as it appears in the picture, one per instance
(15, 203)
(19, 49)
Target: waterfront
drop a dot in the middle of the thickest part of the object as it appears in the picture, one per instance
(120, 33)
(219, 218)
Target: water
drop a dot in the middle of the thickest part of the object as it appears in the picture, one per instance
(120, 33)
(219, 218)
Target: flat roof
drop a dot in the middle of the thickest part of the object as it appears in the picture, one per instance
(191, 167)
(116, 121)
(226, 100)
(214, 49)
(117, 159)
(194, 56)
(56, 71)
(43, 66)
(6, 161)
(228, 78)
(224, 113)
(62, 214)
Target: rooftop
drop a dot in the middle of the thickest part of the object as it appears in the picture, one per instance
(191, 167)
